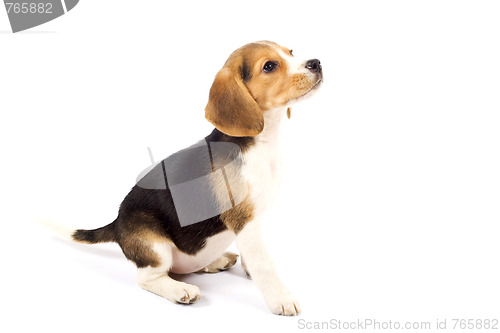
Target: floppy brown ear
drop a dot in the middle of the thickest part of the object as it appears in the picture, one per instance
(231, 108)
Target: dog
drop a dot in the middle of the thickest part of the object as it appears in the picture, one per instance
(184, 213)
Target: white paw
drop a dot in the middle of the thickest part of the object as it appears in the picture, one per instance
(184, 293)
(284, 304)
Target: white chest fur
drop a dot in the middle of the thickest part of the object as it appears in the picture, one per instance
(263, 162)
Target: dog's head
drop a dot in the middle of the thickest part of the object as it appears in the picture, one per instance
(256, 78)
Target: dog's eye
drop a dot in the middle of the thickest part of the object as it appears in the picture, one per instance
(269, 66)
(291, 53)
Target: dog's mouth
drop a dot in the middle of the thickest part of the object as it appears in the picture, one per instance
(316, 84)
(311, 90)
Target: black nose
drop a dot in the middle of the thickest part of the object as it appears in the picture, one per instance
(314, 65)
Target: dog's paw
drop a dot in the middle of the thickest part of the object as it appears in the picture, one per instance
(283, 304)
(226, 261)
(184, 293)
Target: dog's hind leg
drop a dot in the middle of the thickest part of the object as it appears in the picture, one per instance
(155, 278)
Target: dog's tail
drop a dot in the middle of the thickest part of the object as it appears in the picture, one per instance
(99, 235)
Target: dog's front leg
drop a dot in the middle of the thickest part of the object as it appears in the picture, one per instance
(263, 272)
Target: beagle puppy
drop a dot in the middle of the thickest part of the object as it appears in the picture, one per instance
(185, 211)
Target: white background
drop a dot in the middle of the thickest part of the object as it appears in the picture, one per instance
(391, 205)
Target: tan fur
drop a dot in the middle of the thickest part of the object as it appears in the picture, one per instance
(231, 108)
(235, 219)
(136, 247)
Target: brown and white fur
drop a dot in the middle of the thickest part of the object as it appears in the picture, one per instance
(248, 101)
